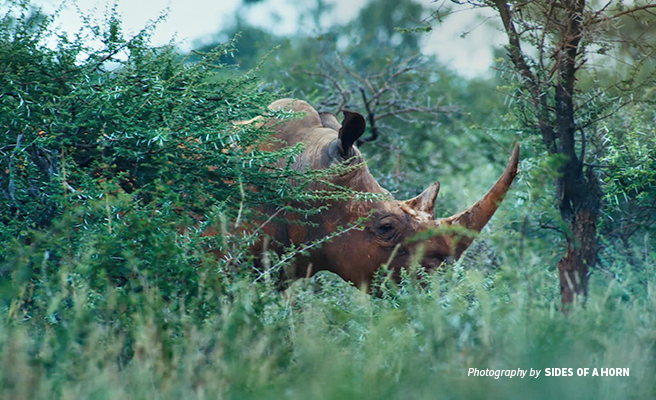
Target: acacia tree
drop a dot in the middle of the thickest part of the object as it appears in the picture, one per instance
(550, 44)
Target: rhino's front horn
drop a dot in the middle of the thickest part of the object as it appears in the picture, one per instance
(475, 217)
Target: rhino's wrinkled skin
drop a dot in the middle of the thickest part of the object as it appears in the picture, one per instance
(356, 254)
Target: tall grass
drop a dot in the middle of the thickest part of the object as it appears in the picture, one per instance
(327, 340)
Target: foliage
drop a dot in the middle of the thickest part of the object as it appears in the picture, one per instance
(629, 173)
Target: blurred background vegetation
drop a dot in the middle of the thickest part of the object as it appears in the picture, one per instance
(110, 144)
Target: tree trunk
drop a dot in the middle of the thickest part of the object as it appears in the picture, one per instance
(581, 240)
(579, 194)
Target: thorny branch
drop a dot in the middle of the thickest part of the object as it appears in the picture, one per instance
(599, 16)
(380, 93)
(371, 118)
(515, 47)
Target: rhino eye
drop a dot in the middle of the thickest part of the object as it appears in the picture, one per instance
(385, 228)
(386, 231)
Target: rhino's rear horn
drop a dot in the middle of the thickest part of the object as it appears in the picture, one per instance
(425, 202)
(352, 128)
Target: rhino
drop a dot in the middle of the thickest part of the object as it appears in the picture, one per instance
(389, 234)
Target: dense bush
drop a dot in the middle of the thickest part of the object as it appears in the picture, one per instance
(121, 167)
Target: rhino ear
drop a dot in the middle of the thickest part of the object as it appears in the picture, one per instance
(329, 120)
(352, 128)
